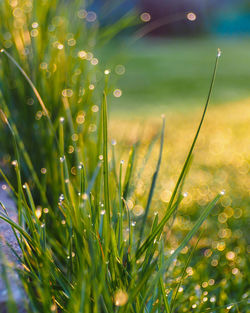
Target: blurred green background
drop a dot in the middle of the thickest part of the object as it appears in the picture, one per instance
(175, 74)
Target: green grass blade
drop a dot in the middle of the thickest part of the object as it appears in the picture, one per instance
(183, 273)
(33, 88)
(128, 174)
(19, 229)
(193, 231)
(152, 187)
(169, 210)
(105, 156)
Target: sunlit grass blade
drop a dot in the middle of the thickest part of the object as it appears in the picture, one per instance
(152, 187)
(173, 302)
(128, 174)
(195, 228)
(19, 229)
(169, 209)
(105, 156)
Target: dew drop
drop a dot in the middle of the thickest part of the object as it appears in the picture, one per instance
(212, 299)
(102, 212)
(14, 162)
(61, 197)
(80, 166)
(62, 159)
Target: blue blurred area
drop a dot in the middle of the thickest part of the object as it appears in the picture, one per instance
(112, 10)
(231, 24)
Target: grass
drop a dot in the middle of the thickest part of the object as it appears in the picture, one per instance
(221, 162)
(160, 74)
(99, 234)
(125, 272)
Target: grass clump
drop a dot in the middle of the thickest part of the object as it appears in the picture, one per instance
(86, 253)
(83, 248)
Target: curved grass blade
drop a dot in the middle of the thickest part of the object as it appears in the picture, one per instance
(13, 129)
(32, 87)
(19, 229)
(193, 231)
(169, 210)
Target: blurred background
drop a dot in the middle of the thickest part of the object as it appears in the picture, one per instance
(170, 57)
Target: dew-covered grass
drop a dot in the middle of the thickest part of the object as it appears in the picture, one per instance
(115, 215)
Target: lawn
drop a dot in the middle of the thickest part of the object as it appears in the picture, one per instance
(163, 74)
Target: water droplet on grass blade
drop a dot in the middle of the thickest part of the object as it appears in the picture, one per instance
(62, 159)
(61, 197)
(14, 163)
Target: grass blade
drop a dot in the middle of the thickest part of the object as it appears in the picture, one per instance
(105, 155)
(152, 187)
(151, 237)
